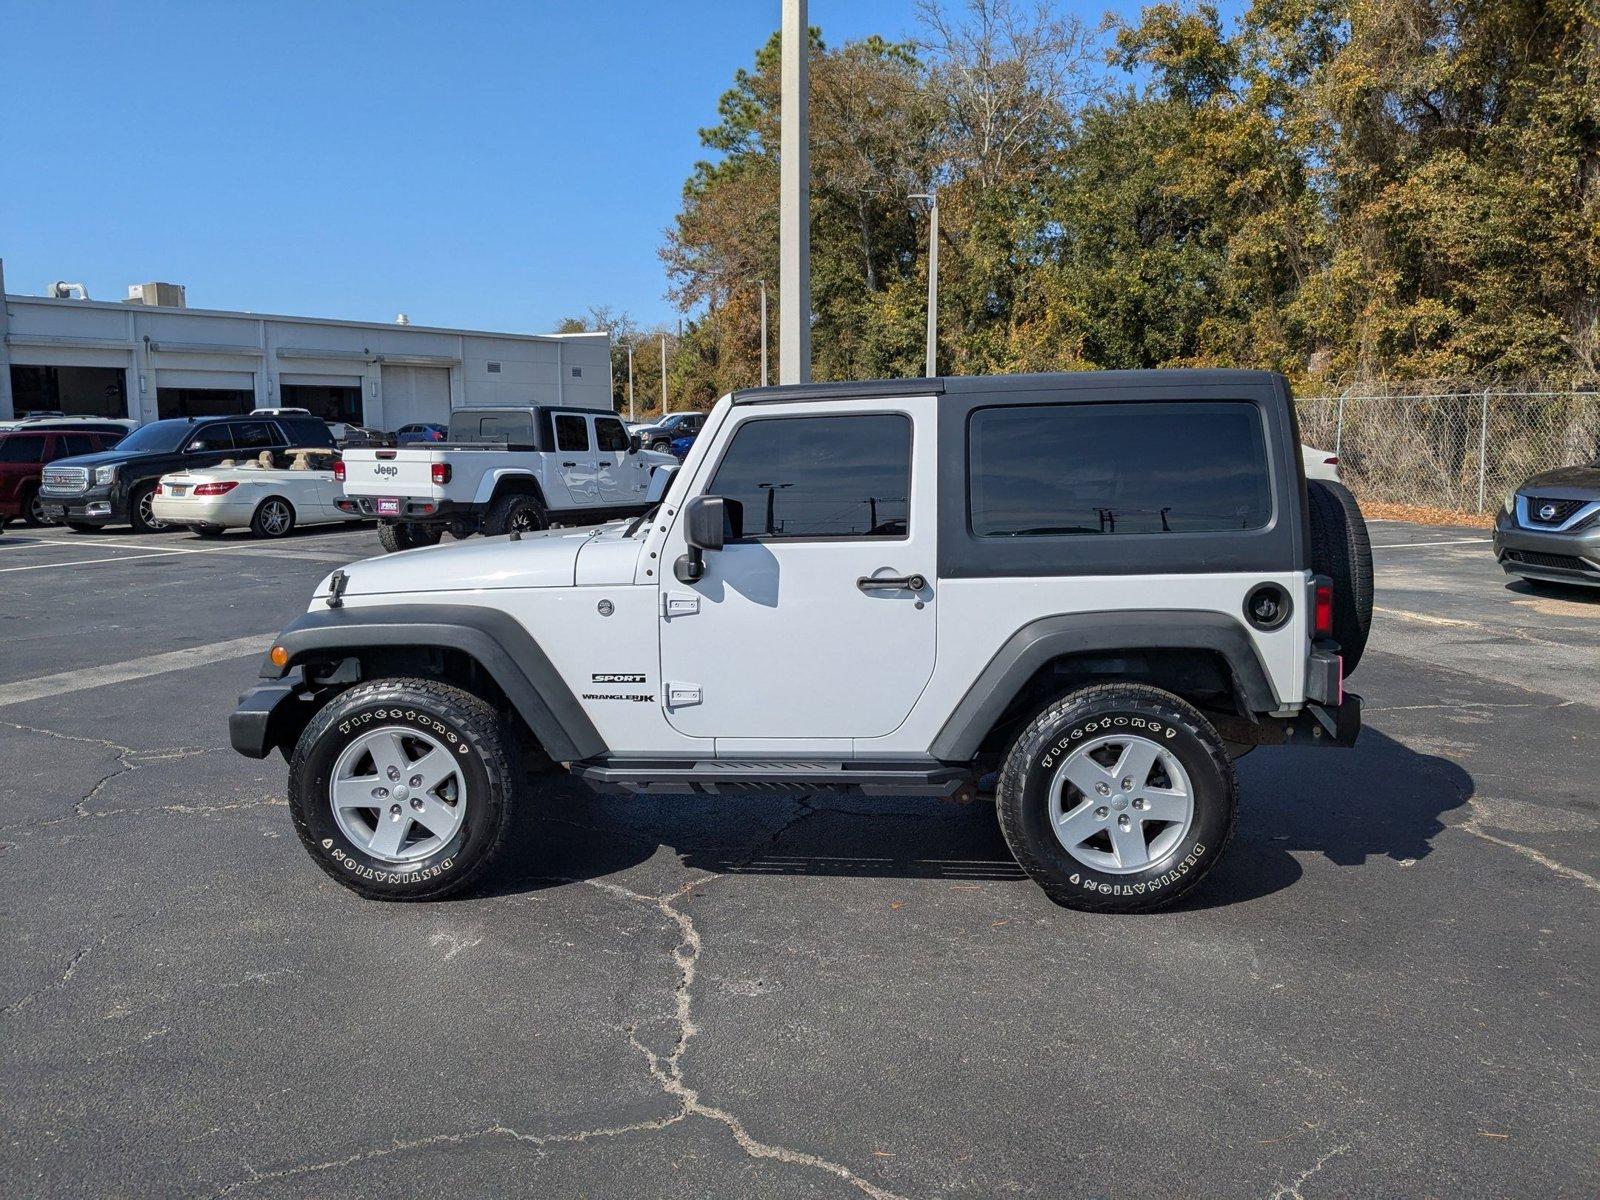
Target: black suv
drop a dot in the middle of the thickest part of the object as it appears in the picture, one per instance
(114, 487)
(659, 435)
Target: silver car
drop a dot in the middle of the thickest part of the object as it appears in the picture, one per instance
(1548, 530)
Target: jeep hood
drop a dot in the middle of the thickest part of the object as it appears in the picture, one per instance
(546, 559)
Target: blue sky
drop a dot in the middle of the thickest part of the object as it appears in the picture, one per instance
(484, 165)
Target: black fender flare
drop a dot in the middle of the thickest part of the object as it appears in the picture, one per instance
(497, 641)
(1036, 643)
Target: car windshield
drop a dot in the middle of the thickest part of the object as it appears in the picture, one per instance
(157, 436)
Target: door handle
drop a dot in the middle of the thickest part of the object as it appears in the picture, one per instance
(891, 583)
(567, 464)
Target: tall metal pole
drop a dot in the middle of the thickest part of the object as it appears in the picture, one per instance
(932, 352)
(763, 284)
(630, 383)
(794, 200)
(663, 374)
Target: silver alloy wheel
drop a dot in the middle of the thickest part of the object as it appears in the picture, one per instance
(147, 510)
(275, 518)
(1120, 803)
(398, 794)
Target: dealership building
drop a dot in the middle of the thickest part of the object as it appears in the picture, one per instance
(152, 356)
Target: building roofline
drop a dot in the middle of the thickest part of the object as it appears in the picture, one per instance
(119, 306)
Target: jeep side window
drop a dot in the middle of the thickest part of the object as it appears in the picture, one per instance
(610, 435)
(1140, 467)
(820, 477)
(572, 432)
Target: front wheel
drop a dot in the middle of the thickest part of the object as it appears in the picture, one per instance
(401, 788)
(273, 518)
(1117, 798)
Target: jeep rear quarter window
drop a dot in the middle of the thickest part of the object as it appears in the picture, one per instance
(819, 477)
(1118, 468)
(511, 429)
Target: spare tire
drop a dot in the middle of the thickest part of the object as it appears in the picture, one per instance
(1341, 550)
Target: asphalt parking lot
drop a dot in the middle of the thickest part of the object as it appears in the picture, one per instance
(1388, 986)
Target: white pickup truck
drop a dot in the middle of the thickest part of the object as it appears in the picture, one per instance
(501, 469)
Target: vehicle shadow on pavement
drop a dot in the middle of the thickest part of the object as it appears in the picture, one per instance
(1381, 799)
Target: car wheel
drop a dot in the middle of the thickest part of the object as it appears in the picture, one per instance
(407, 535)
(400, 788)
(1117, 798)
(273, 518)
(521, 513)
(1341, 550)
(141, 511)
(33, 511)
(207, 531)
(662, 445)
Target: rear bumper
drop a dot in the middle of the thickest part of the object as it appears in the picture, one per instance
(1325, 725)
(1572, 557)
(410, 509)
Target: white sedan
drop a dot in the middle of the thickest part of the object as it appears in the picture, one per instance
(269, 495)
(1319, 463)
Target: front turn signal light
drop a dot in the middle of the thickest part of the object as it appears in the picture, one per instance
(279, 656)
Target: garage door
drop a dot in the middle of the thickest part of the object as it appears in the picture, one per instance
(413, 394)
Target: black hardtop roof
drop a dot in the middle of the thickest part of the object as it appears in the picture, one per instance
(990, 384)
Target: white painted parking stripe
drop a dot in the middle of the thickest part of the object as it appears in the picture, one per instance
(23, 690)
(1482, 541)
(84, 562)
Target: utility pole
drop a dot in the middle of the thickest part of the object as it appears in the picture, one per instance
(794, 200)
(663, 374)
(932, 198)
(630, 383)
(763, 284)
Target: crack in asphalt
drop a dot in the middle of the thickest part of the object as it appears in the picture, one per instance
(54, 985)
(1472, 825)
(668, 1071)
(1291, 1191)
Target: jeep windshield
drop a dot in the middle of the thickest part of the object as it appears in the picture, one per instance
(158, 437)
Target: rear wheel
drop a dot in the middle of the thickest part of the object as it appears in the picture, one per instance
(1341, 550)
(1117, 798)
(400, 788)
(274, 518)
(141, 511)
(407, 535)
(522, 513)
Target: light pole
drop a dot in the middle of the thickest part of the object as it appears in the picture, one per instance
(933, 280)
(630, 383)
(763, 285)
(794, 200)
(663, 373)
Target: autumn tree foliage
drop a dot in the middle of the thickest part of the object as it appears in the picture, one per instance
(1337, 189)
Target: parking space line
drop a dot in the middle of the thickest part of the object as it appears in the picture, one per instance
(23, 690)
(91, 544)
(1482, 541)
(89, 562)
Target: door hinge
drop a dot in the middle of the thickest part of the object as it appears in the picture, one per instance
(682, 695)
(679, 604)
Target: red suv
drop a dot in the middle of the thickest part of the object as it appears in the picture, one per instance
(23, 453)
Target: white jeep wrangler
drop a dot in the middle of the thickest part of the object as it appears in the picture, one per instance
(1103, 587)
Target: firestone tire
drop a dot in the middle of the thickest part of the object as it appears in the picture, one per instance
(428, 718)
(1341, 550)
(406, 535)
(1075, 736)
(521, 512)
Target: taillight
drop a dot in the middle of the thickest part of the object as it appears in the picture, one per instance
(1331, 461)
(338, 470)
(160, 491)
(1322, 625)
(441, 473)
(215, 489)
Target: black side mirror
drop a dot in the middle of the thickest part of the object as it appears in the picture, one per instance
(634, 443)
(709, 522)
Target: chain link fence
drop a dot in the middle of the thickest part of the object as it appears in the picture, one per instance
(1453, 449)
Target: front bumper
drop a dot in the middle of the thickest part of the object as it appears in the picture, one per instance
(1570, 557)
(97, 506)
(264, 713)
